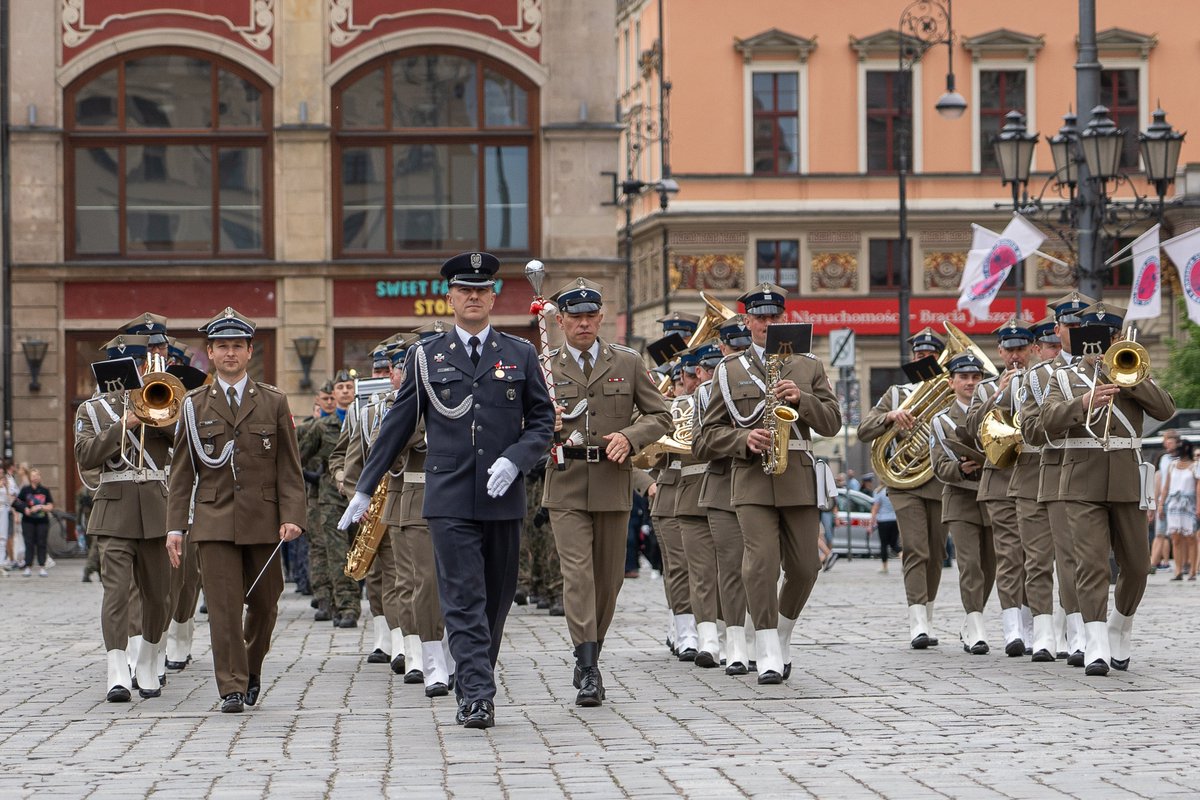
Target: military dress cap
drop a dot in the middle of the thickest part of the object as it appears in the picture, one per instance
(764, 299)
(229, 324)
(688, 361)
(580, 296)
(432, 328)
(1066, 308)
(152, 325)
(676, 371)
(709, 355)
(1105, 312)
(662, 369)
(178, 351)
(471, 269)
(1013, 334)
(926, 339)
(1044, 330)
(734, 332)
(679, 321)
(326, 388)
(379, 357)
(345, 375)
(965, 362)
(127, 345)
(397, 349)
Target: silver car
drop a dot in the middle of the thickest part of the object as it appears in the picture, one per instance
(852, 524)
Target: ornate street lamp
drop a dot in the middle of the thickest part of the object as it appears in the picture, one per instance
(1102, 142)
(1160, 145)
(306, 350)
(35, 354)
(1014, 152)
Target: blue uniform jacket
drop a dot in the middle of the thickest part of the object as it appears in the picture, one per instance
(510, 415)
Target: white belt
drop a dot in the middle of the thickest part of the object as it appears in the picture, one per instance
(692, 469)
(675, 465)
(134, 475)
(1114, 443)
(414, 477)
(1030, 448)
(798, 444)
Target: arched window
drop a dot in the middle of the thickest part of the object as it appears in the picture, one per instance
(434, 154)
(168, 156)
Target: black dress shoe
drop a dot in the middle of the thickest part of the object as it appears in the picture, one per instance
(378, 657)
(920, 641)
(414, 676)
(178, 665)
(591, 688)
(232, 704)
(557, 609)
(398, 664)
(347, 622)
(1014, 648)
(438, 689)
(770, 677)
(787, 671)
(204, 608)
(253, 687)
(1098, 668)
(1042, 656)
(1075, 659)
(118, 694)
(1062, 655)
(736, 668)
(543, 603)
(705, 659)
(1119, 664)
(481, 714)
(687, 655)
(461, 715)
(977, 649)
(520, 598)
(933, 642)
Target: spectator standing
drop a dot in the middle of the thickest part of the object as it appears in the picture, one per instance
(35, 504)
(852, 481)
(1177, 503)
(8, 495)
(883, 522)
(1160, 548)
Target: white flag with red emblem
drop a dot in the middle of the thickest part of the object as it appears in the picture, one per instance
(1145, 298)
(1184, 250)
(991, 258)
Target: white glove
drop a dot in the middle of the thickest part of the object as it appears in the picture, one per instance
(355, 510)
(503, 473)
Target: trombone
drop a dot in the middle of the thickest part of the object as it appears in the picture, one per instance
(157, 403)
(1125, 364)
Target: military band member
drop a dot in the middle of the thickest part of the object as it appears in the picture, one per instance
(1013, 340)
(488, 419)
(236, 488)
(128, 522)
(918, 509)
(1066, 311)
(716, 491)
(610, 409)
(961, 508)
(778, 513)
(1102, 486)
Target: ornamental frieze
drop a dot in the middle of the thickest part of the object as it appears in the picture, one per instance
(712, 271)
(943, 271)
(87, 23)
(354, 22)
(835, 272)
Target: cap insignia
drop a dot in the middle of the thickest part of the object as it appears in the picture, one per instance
(476, 261)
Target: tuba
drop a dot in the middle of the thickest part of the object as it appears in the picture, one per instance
(370, 532)
(715, 313)
(901, 458)
(678, 441)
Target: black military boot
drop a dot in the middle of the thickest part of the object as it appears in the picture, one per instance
(591, 684)
(323, 613)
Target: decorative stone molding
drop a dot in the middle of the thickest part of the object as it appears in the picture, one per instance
(732, 238)
(711, 271)
(943, 270)
(525, 30)
(946, 238)
(776, 44)
(840, 239)
(834, 272)
(885, 44)
(1123, 42)
(1003, 42)
(256, 30)
(1055, 276)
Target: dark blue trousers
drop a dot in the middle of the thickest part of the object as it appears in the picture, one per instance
(477, 578)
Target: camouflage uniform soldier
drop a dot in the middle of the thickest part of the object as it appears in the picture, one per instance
(539, 573)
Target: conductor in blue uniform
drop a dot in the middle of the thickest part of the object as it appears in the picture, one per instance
(488, 420)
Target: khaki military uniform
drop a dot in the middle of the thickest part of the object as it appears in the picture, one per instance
(589, 501)
(234, 482)
(778, 514)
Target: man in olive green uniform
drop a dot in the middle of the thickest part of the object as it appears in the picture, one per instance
(1013, 344)
(609, 410)
(918, 507)
(128, 522)
(1102, 485)
(961, 509)
(236, 488)
(778, 513)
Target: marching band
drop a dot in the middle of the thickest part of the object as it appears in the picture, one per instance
(415, 485)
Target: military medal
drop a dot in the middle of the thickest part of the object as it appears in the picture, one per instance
(499, 373)
(439, 357)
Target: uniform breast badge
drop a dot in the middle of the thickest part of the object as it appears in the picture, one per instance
(266, 440)
(511, 394)
(439, 357)
(209, 448)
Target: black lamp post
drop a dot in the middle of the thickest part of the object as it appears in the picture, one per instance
(1014, 152)
(1160, 145)
(624, 192)
(923, 24)
(306, 349)
(35, 354)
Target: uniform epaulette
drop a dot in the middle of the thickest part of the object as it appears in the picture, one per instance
(734, 355)
(201, 389)
(269, 388)
(433, 337)
(517, 339)
(554, 352)
(625, 349)
(809, 355)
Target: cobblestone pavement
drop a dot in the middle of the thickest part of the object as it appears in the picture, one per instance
(863, 715)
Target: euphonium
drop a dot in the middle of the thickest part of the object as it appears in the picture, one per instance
(715, 314)
(999, 432)
(777, 418)
(678, 441)
(370, 532)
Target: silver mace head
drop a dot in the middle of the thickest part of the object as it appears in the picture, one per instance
(535, 273)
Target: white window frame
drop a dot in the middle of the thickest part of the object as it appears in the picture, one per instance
(918, 128)
(1003, 65)
(748, 72)
(1143, 94)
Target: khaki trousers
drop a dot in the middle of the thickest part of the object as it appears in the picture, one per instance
(591, 553)
(727, 539)
(701, 553)
(923, 539)
(1010, 560)
(1033, 522)
(1064, 555)
(1098, 528)
(227, 571)
(675, 577)
(774, 538)
(420, 611)
(383, 592)
(189, 588)
(976, 555)
(124, 565)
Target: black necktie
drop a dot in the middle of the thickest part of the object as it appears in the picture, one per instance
(586, 357)
(231, 392)
(473, 343)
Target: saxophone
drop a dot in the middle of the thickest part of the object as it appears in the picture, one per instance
(370, 532)
(777, 417)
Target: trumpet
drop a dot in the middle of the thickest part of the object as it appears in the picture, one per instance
(156, 403)
(1125, 364)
